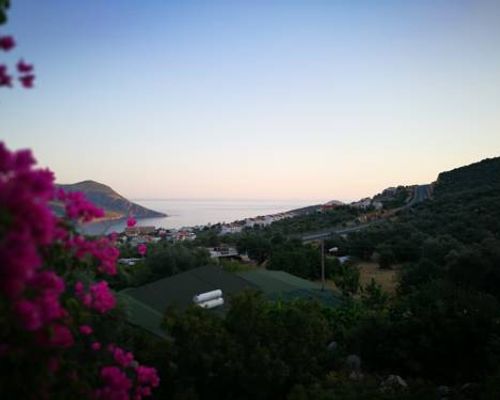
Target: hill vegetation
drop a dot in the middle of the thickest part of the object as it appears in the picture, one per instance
(440, 330)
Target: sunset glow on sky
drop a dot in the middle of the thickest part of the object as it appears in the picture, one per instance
(313, 100)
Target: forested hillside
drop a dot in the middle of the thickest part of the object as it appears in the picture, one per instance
(439, 334)
(457, 233)
(477, 177)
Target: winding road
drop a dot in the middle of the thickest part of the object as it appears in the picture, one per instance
(421, 193)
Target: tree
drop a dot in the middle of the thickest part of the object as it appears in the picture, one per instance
(346, 278)
(256, 246)
(220, 359)
(373, 296)
(4, 6)
(386, 257)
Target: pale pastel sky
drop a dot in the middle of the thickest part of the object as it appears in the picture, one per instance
(313, 100)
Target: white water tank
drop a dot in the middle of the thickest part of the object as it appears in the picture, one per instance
(212, 303)
(214, 294)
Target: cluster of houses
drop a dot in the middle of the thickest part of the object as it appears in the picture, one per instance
(262, 221)
(362, 204)
(149, 234)
(376, 203)
(366, 203)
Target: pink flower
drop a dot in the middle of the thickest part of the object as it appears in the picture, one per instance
(142, 391)
(107, 255)
(50, 306)
(5, 78)
(99, 297)
(147, 376)
(122, 358)
(86, 330)
(23, 67)
(116, 384)
(95, 346)
(102, 249)
(28, 313)
(102, 297)
(142, 249)
(48, 281)
(27, 81)
(131, 221)
(57, 335)
(78, 207)
(79, 288)
(20, 260)
(7, 43)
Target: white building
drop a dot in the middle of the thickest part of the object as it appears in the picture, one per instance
(363, 203)
(229, 229)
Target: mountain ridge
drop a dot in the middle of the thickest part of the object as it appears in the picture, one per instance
(114, 204)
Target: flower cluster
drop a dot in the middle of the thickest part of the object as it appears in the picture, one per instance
(98, 297)
(42, 310)
(24, 70)
(27, 222)
(27, 227)
(7, 43)
(44, 306)
(116, 384)
(147, 377)
(77, 207)
(142, 249)
(131, 221)
(101, 249)
(121, 357)
(118, 379)
(59, 336)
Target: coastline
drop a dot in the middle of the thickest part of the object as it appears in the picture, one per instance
(101, 226)
(196, 213)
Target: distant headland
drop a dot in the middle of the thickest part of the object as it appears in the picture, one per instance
(115, 206)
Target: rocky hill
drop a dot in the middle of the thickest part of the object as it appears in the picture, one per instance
(113, 204)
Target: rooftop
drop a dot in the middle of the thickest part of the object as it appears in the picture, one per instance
(146, 304)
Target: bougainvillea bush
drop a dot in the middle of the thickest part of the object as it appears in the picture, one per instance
(54, 297)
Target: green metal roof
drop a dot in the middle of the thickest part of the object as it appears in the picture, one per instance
(145, 305)
(280, 285)
(142, 315)
(179, 290)
(276, 281)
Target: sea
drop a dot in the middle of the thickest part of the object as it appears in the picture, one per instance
(194, 212)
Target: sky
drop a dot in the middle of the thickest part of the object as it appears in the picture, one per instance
(262, 99)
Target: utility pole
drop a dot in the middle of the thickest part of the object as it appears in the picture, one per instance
(322, 264)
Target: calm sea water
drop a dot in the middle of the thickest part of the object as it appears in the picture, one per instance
(184, 213)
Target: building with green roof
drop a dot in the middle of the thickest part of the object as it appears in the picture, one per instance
(280, 285)
(145, 305)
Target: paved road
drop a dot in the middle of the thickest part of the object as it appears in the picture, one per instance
(422, 192)
(309, 237)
